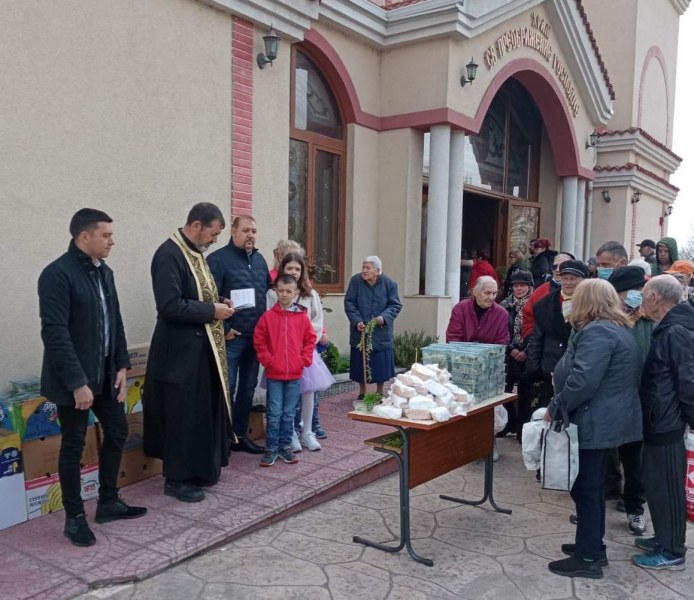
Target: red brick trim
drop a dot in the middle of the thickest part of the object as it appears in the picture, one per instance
(634, 167)
(644, 134)
(241, 117)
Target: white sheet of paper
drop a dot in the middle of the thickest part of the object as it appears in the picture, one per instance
(244, 298)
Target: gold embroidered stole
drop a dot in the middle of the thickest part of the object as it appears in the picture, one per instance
(207, 292)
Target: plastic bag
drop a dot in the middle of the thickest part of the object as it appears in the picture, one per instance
(500, 418)
(689, 479)
(559, 457)
(532, 443)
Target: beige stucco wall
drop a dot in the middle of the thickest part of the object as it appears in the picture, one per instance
(105, 108)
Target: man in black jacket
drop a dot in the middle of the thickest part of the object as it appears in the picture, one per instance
(239, 266)
(84, 365)
(667, 400)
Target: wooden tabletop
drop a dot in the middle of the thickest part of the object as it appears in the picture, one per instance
(412, 424)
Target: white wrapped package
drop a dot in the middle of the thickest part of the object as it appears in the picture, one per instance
(397, 401)
(440, 414)
(434, 387)
(406, 378)
(459, 408)
(418, 414)
(434, 367)
(446, 400)
(389, 412)
(421, 402)
(402, 390)
(444, 376)
(422, 372)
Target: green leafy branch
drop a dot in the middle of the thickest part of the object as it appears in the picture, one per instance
(366, 346)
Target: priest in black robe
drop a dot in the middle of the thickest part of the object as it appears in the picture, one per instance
(186, 401)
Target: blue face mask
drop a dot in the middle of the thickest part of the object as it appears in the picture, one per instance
(605, 272)
(633, 299)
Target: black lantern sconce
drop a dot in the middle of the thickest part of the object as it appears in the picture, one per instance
(635, 197)
(606, 196)
(592, 140)
(668, 210)
(471, 72)
(272, 43)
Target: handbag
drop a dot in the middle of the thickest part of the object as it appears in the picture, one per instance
(689, 477)
(559, 456)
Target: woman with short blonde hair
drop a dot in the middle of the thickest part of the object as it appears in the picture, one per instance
(596, 300)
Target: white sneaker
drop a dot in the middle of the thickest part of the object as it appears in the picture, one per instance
(296, 444)
(310, 441)
(636, 524)
(495, 456)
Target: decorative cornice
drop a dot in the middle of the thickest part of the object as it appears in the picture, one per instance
(635, 139)
(638, 177)
(290, 18)
(680, 5)
(594, 43)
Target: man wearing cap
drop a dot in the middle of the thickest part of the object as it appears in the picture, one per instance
(548, 342)
(667, 401)
(647, 251)
(682, 270)
(521, 283)
(628, 282)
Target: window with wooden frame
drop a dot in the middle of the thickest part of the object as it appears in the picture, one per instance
(317, 173)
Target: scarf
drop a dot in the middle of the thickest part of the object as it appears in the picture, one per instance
(518, 305)
(207, 292)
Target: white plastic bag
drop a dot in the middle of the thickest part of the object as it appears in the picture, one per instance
(500, 418)
(559, 458)
(532, 443)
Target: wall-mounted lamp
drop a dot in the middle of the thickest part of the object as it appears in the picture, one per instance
(669, 209)
(471, 71)
(606, 196)
(592, 140)
(272, 43)
(635, 197)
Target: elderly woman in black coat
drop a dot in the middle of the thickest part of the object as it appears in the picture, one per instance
(371, 305)
(596, 387)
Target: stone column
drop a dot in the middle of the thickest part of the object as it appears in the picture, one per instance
(437, 210)
(581, 252)
(454, 229)
(568, 215)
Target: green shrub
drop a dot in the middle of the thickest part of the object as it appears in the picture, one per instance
(332, 359)
(408, 345)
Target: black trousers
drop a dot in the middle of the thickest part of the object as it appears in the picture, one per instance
(664, 470)
(634, 493)
(588, 493)
(73, 428)
(519, 412)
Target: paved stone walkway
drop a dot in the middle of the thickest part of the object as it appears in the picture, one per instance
(478, 553)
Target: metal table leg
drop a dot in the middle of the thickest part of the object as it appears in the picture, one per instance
(488, 489)
(403, 460)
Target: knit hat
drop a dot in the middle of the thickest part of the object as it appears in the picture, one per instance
(574, 267)
(522, 276)
(628, 278)
(682, 266)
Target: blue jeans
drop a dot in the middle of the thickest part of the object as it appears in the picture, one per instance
(282, 400)
(244, 366)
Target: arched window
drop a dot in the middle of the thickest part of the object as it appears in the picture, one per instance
(316, 173)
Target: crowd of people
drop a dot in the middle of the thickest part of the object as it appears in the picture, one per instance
(609, 346)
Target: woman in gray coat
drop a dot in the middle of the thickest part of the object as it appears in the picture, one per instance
(371, 305)
(596, 387)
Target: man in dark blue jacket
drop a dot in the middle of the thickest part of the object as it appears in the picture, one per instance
(667, 401)
(84, 365)
(238, 267)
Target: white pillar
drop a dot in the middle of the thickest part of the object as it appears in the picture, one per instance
(580, 219)
(454, 229)
(568, 214)
(437, 210)
(589, 222)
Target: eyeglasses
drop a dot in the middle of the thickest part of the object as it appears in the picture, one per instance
(555, 267)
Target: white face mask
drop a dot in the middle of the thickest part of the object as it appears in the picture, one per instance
(633, 299)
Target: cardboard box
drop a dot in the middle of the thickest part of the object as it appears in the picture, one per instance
(13, 508)
(138, 359)
(41, 455)
(44, 496)
(31, 417)
(256, 426)
(133, 395)
(135, 466)
(135, 431)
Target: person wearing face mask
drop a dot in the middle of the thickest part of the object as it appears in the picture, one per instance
(610, 256)
(628, 282)
(552, 330)
(666, 254)
(682, 270)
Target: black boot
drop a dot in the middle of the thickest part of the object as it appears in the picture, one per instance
(184, 491)
(570, 550)
(245, 445)
(78, 531)
(576, 567)
(117, 509)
